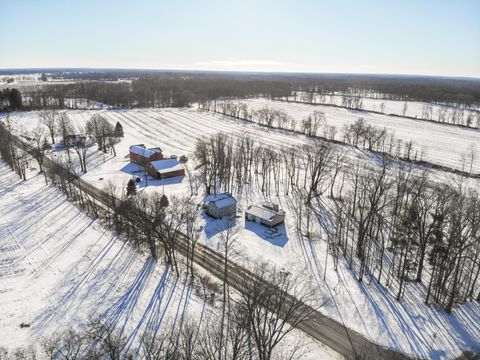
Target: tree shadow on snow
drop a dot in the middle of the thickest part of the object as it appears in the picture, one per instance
(276, 236)
(213, 227)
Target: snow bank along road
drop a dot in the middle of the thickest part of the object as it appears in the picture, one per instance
(330, 332)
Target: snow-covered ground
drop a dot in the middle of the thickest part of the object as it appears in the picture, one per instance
(368, 308)
(440, 144)
(58, 267)
(19, 79)
(414, 109)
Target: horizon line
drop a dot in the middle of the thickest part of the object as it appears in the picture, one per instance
(277, 72)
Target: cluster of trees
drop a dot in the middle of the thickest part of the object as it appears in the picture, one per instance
(35, 144)
(155, 223)
(104, 133)
(363, 135)
(97, 130)
(391, 224)
(10, 100)
(403, 226)
(230, 163)
(16, 158)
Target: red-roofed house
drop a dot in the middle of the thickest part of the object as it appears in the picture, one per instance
(140, 155)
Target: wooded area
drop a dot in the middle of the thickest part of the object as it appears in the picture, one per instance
(145, 88)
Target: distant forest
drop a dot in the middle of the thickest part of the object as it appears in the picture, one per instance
(142, 88)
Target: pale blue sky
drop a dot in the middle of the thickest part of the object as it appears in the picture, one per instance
(429, 37)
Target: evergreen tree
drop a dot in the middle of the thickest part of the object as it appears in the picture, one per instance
(164, 201)
(118, 130)
(15, 99)
(131, 188)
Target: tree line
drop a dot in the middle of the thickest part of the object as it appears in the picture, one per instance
(145, 88)
(360, 134)
(149, 91)
(461, 92)
(10, 100)
(458, 114)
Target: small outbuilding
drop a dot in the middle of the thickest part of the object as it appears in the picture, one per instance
(220, 205)
(140, 155)
(74, 140)
(167, 168)
(267, 214)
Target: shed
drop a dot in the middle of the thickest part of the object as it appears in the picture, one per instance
(267, 214)
(73, 140)
(220, 205)
(167, 168)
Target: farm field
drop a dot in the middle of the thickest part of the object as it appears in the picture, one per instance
(367, 307)
(414, 109)
(58, 268)
(440, 144)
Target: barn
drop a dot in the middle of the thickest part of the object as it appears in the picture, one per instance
(267, 214)
(220, 205)
(140, 155)
(166, 168)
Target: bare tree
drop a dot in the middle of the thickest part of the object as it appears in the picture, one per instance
(48, 118)
(160, 346)
(274, 303)
(318, 162)
(39, 146)
(109, 342)
(100, 129)
(81, 147)
(68, 346)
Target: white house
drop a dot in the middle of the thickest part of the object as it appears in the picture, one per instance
(220, 205)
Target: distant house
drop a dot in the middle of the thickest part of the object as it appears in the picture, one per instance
(221, 205)
(167, 168)
(140, 155)
(267, 214)
(73, 140)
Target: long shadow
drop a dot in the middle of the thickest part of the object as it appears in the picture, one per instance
(214, 226)
(64, 304)
(125, 305)
(153, 315)
(276, 236)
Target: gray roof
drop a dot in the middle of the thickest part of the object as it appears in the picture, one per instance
(167, 165)
(222, 200)
(262, 212)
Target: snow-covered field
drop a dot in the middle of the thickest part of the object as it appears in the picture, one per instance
(414, 109)
(19, 79)
(368, 308)
(440, 144)
(58, 267)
